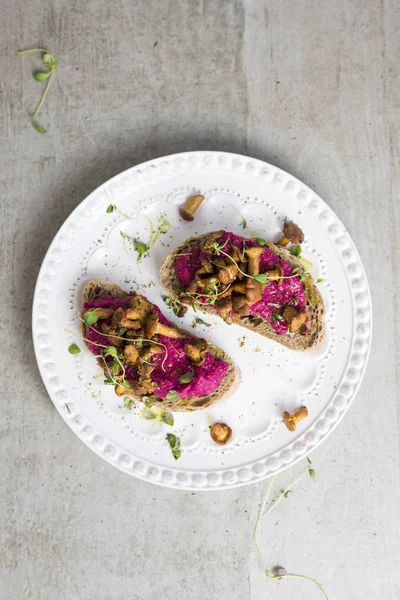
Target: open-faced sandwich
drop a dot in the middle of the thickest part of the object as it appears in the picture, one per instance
(257, 284)
(145, 356)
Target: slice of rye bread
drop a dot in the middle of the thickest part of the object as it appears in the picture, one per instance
(314, 302)
(101, 287)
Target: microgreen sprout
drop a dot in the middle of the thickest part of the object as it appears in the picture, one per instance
(260, 241)
(295, 250)
(51, 64)
(111, 208)
(148, 414)
(277, 317)
(198, 321)
(299, 273)
(141, 248)
(175, 445)
(147, 402)
(128, 402)
(280, 572)
(243, 222)
(168, 418)
(175, 305)
(90, 317)
(172, 395)
(319, 280)
(210, 292)
(163, 227)
(74, 349)
(187, 377)
(155, 413)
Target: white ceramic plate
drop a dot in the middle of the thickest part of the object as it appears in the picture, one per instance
(89, 245)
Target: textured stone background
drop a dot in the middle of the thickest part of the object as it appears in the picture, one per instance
(311, 86)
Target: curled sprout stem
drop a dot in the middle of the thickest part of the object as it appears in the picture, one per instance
(263, 512)
(119, 212)
(212, 294)
(51, 66)
(295, 575)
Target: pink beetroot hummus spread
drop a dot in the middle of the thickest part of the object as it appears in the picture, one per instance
(169, 365)
(275, 297)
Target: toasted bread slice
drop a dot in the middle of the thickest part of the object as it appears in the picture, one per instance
(101, 287)
(314, 302)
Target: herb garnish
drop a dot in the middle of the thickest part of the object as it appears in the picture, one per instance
(260, 241)
(172, 395)
(302, 274)
(142, 248)
(319, 280)
(90, 317)
(262, 278)
(175, 445)
(147, 402)
(148, 414)
(199, 321)
(244, 222)
(128, 402)
(74, 349)
(113, 207)
(295, 250)
(168, 418)
(187, 377)
(174, 304)
(277, 317)
(280, 572)
(155, 413)
(50, 63)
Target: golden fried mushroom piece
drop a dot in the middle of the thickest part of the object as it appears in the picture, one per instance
(254, 260)
(128, 324)
(206, 267)
(254, 290)
(117, 317)
(294, 318)
(228, 273)
(140, 308)
(131, 354)
(290, 420)
(224, 308)
(221, 433)
(195, 351)
(154, 327)
(151, 351)
(103, 313)
(120, 390)
(241, 306)
(190, 207)
(236, 254)
(240, 288)
(291, 233)
(113, 336)
(276, 274)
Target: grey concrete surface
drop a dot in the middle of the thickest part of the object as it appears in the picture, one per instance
(311, 86)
